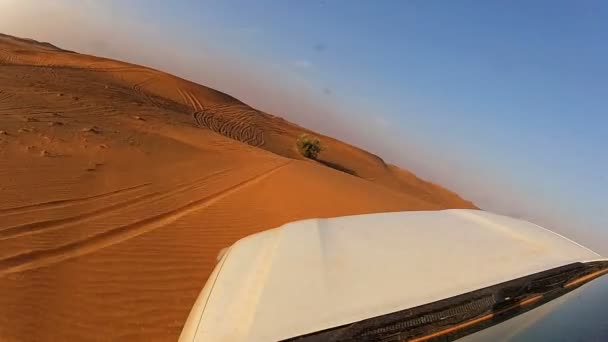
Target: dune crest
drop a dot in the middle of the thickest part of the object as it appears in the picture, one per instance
(121, 184)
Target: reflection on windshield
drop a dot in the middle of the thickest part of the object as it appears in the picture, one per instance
(577, 316)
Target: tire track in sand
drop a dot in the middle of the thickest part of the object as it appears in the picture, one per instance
(5, 95)
(195, 99)
(183, 96)
(8, 57)
(140, 91)
(47, 225)
(190, 100)
(235, 123)
(42, 258)
(5, 102)
(67, 202)
(230, 121)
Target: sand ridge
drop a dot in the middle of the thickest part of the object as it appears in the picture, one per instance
(120, 184)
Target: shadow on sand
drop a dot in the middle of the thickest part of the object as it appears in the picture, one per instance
(337, 167)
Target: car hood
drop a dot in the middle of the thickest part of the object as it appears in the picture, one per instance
(316, 274)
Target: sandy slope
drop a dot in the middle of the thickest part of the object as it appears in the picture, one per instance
(119, 184)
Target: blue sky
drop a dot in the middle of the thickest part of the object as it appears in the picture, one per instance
(504, 102)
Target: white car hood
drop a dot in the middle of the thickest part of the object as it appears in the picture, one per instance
(316, 274)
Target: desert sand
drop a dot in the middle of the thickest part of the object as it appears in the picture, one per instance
(119, 184)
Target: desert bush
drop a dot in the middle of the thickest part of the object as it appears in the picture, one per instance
(309, 147)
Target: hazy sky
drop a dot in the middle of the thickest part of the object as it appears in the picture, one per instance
(503, 102)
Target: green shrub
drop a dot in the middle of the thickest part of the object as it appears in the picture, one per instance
(309, 147)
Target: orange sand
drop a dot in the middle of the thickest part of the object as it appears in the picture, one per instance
(119, 184)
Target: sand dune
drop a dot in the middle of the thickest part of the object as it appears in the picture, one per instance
(121, 183)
